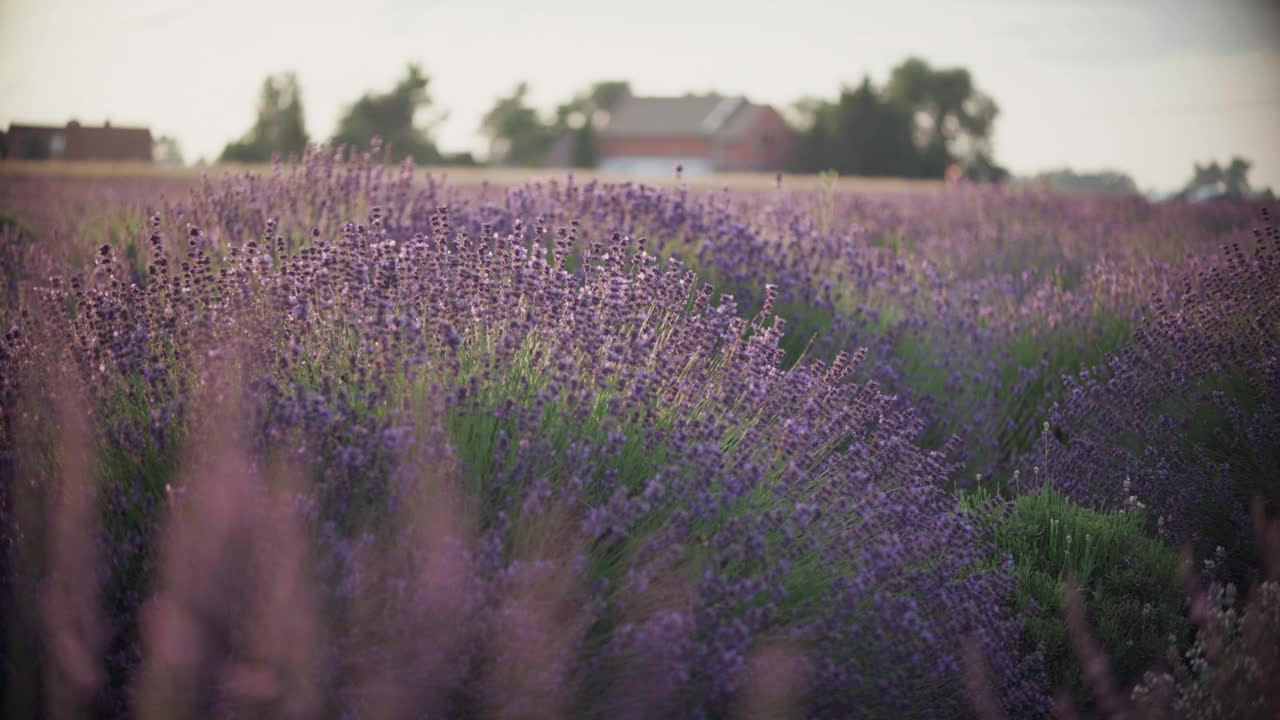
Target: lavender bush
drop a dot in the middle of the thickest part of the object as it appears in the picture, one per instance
(1185, 418)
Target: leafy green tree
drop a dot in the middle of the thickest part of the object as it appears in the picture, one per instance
(1236, 176)
(517, 136)
(1206, 174)
(875, 136)
(1230, 181)
(922, 122)
(859, 134)
(279, 128)
(392, 116)
(809, 152)
(606, 95)
(951, 120)
(583, 153)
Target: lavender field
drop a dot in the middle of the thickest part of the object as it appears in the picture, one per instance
(340, 439)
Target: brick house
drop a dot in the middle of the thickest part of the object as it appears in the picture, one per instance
(76, 142)
(704, 133)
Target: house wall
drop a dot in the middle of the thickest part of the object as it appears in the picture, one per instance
(656, 146)
(88, 143)
(765, 145)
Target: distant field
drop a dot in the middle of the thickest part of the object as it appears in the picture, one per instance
(464, 175)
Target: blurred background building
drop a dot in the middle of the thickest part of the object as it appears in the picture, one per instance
(703, 133)
(76, 142)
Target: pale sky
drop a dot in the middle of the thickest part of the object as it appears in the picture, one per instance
(1143, 86)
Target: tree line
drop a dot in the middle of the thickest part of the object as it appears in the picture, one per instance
(280, 128)
(923, 121)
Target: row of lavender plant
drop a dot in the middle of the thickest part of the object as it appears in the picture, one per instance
(1185, 419)
(973, 304)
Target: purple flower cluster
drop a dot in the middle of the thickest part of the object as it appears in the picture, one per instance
(1185, 419)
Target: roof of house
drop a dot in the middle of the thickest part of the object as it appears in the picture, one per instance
(688, 115)
(74, 126)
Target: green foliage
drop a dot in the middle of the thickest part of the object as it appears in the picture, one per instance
(517, 136)
(1231, 180)
(1129, 580)
(923, 121)
(9, 221)
(584, 153)
(859, 134)
(392, 116)
(607, 94)
(132, 460)
(280, 127)
(946, 108)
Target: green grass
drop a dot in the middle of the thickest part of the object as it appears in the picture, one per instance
(1129, 581)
